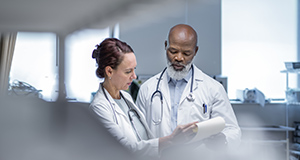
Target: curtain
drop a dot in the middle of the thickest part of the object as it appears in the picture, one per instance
(7, 46)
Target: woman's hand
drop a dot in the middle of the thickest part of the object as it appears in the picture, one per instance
(181, 135)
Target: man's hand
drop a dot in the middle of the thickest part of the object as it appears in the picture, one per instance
(216, 142)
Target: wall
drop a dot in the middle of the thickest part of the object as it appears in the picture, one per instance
(148, 40)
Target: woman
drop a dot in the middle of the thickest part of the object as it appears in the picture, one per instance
(115, 107)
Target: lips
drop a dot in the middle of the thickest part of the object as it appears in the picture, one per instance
(177, 66)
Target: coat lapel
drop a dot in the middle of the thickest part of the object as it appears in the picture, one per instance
(114, 104)
(197, 77)
(142, 119)
(164, 88)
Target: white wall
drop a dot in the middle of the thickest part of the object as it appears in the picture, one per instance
(148, 40)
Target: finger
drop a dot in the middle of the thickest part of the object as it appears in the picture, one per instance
(195, 129)
(191, 131)
(184, 128)
(191, 128)
(189, 124)
(188, 132)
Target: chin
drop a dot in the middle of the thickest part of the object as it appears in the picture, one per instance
(178, 74)
(125, 88)
(178, 70)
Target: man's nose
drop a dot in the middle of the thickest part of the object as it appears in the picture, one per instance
(179, 57)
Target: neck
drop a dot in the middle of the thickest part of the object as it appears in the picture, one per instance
(114, 93)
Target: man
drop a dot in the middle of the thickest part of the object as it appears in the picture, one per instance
(208, 99)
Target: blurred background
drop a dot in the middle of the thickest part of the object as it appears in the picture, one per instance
(47, 74)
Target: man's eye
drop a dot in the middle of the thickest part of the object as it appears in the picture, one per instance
(173, 52)
(187, 53)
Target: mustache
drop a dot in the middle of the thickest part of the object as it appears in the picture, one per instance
(177, 63)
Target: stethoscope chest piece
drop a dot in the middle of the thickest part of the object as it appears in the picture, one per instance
(190, 97)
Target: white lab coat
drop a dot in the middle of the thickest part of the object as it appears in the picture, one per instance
(206, 90)
(121, 129)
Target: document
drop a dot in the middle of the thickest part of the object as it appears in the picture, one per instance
(208, 128)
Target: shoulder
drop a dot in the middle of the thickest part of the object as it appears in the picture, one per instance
(200, 76)
(150, 82)
(151, 79)
(99, 100)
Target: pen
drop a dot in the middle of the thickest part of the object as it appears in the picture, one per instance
(204, 108)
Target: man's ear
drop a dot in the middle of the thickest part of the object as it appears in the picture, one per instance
(196, 50)
(166, 44)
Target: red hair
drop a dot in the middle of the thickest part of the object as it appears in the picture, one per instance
(110, 52)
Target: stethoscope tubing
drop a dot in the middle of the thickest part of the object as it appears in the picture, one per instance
(190, 96)
(111, 106)
(129, 116)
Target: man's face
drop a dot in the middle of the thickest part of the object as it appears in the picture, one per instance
(180, 51)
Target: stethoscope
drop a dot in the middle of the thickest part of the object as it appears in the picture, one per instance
(131, 110)
(190, 97)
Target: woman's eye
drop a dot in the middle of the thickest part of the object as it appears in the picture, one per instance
(129, 71)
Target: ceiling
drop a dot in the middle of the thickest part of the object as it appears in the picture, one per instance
(66, 16)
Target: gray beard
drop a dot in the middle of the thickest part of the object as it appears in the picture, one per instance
(178, 75)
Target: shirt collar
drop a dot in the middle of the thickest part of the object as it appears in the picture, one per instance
(186, 78)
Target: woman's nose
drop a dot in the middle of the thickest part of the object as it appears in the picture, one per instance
(133, 76)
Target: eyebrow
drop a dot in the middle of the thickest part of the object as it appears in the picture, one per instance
(127, 69)
(172, 48)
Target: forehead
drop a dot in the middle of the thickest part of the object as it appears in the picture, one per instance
(181, 39)
(181, 45)
(128, 61)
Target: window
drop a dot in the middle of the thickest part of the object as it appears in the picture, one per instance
(81, 80)
(257, 38)
(26, 79)
(34, 70)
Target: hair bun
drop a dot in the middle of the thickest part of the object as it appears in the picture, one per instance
(95, 53)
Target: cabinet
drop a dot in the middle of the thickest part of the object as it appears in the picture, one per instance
(272, 123)
(264, 129)
(292, 98)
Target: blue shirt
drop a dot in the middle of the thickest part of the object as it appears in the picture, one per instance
(176, 88)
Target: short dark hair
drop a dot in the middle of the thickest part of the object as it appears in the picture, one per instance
(110, 52)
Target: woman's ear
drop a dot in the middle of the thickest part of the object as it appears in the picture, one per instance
(108, 71)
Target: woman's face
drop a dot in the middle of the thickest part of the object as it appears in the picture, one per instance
(124, 74)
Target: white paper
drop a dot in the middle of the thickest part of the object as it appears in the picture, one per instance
(209, 128)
